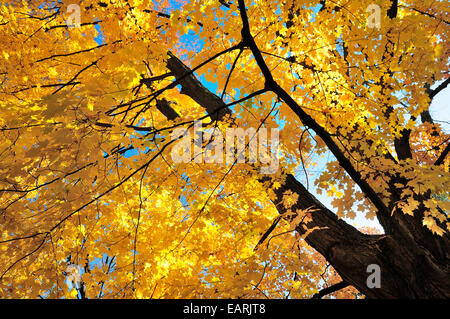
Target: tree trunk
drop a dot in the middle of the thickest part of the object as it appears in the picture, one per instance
(407, 270)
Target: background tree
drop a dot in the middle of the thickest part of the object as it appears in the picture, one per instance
(86, 174)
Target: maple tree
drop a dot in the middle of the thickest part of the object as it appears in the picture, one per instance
(86, 173)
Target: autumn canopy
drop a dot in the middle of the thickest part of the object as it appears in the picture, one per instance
(94, 204)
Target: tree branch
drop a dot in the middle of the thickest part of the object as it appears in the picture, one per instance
(268, 231)
(392, 12)
(306, 119)
(441, 157)
(191, 87)
(425, 115)
(427, 14)
(443, 85)
(331, 289)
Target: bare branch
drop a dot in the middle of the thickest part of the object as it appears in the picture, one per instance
(306, 119)
(441, 157)
(331, 289)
